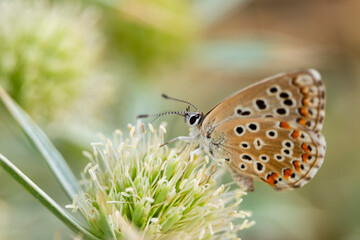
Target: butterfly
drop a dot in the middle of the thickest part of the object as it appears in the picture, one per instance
(268, 131)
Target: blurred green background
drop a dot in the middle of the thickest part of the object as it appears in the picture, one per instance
(83, 67)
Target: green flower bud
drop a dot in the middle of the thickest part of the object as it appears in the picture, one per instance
(46, 52)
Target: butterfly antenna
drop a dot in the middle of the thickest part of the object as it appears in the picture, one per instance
(181, 113)
(179, 100)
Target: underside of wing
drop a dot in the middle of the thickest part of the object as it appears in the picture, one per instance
(273, 150)
(296, 97)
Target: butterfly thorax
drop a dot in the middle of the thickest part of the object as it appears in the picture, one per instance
(195, 120)
(212, 143)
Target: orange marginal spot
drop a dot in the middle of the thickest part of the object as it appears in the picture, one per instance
(302, 121)
(271, 178)
(287, 173)
(305, 147)
(305, 157)
(305, 101)
(284, 125)
(296, 165)
(304, 90)
(295, 134)
(304, 112)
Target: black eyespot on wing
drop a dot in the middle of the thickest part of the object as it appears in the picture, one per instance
(246, 113)
(252, 126)
(288, 102)
(259, 166)
(284, 95)
(281, 111)
(310, 148)
(246, 157)
(239, 130)
(273, 90)
(260, 104)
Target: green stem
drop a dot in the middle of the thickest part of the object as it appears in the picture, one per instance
(45, 199)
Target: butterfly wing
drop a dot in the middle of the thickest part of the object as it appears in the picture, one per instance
(271, 149)
(296, 97)
(270, 130)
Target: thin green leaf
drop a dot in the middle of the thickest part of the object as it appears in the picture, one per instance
(45, 200)
(53, 158)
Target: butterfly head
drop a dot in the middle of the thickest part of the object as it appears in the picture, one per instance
(193, 119)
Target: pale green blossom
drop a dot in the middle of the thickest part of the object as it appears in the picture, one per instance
(134, 187)
(47, 50)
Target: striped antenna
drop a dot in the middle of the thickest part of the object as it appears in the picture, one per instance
(179, 100)
(181, 113)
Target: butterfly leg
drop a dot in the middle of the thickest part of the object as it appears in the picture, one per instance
(196, 151)
(245, 182)
(183, 138)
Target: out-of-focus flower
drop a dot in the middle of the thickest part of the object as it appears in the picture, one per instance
(134, 187)
(46, 52)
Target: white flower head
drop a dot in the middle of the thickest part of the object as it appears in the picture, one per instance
(164, 192)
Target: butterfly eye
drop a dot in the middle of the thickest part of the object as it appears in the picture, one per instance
(193, 119)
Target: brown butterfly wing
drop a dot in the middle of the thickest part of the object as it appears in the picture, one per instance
(271, 149)
(292, 105)
(296, 97)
